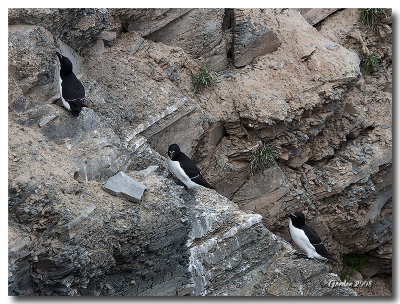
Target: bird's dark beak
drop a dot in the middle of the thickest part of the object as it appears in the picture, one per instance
(289, 215)
(58, 55)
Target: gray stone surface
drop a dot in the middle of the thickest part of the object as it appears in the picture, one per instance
(315, 15)
(248, 260)
(78, 27)
(251, 39)
(17, 102)
(67, 236)
(196, 32)
(216, 59)
(263, 192)
(101, 245)
(136, 45)
(124, 186)
(31, 58)
(175, 133)
(48, 118)
(108, 37)
(147, 21)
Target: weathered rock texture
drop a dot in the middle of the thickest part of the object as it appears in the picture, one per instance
(330, 121)
(146, 21)
(124, 186)
(334, 146)
(196, 32)
(248, 260)
(37, 69)
(316, 15)
(212, 36)
(77, 27)
(251, 39)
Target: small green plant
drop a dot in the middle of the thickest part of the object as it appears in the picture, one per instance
(202, 79)
(370, 16)
(352, 264)
(263, 156)
(370, 61)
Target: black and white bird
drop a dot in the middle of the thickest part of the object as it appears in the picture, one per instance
(185, 169)
(306, 238)
(71, 89)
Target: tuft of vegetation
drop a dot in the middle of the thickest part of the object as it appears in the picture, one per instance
(263, 156)
(351, 265)
(371, 16)
(202, 79)
(370, 61)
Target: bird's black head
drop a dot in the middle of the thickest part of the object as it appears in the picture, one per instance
(298, 219)
(173, 151)
(66, 64)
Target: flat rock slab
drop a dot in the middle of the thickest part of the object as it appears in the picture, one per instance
(46, 119)
(315, 15)
(124, 186)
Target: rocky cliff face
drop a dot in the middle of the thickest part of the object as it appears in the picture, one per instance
(301, 89)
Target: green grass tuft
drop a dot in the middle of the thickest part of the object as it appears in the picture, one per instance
(202, 79)
(370, 16)
(263, 156)
(370, 61)
(351, 265)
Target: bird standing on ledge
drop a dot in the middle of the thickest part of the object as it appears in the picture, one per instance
(185, 169)
(71, 89)
(306, 238)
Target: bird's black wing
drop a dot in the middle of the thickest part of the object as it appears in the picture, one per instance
(317, 243)
(72, 89)
(192, 171)
(311, 234)
(321, 250)
(201, 181)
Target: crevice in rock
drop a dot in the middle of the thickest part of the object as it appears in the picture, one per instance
(228, 25)
(319, 23)
(209, 141)
(124, 27)
(228, 21)
(349, 140)
(320, 162)
(239, 188)
(149, 36)
(229, 54)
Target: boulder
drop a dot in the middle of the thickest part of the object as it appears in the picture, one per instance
(31, 58)
(124, 186)
(48, 118)
(315, 15)
(78, 27)
(108, 37)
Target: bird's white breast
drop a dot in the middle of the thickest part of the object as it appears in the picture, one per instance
(176, 169)
(301, 240)
(65, 104)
